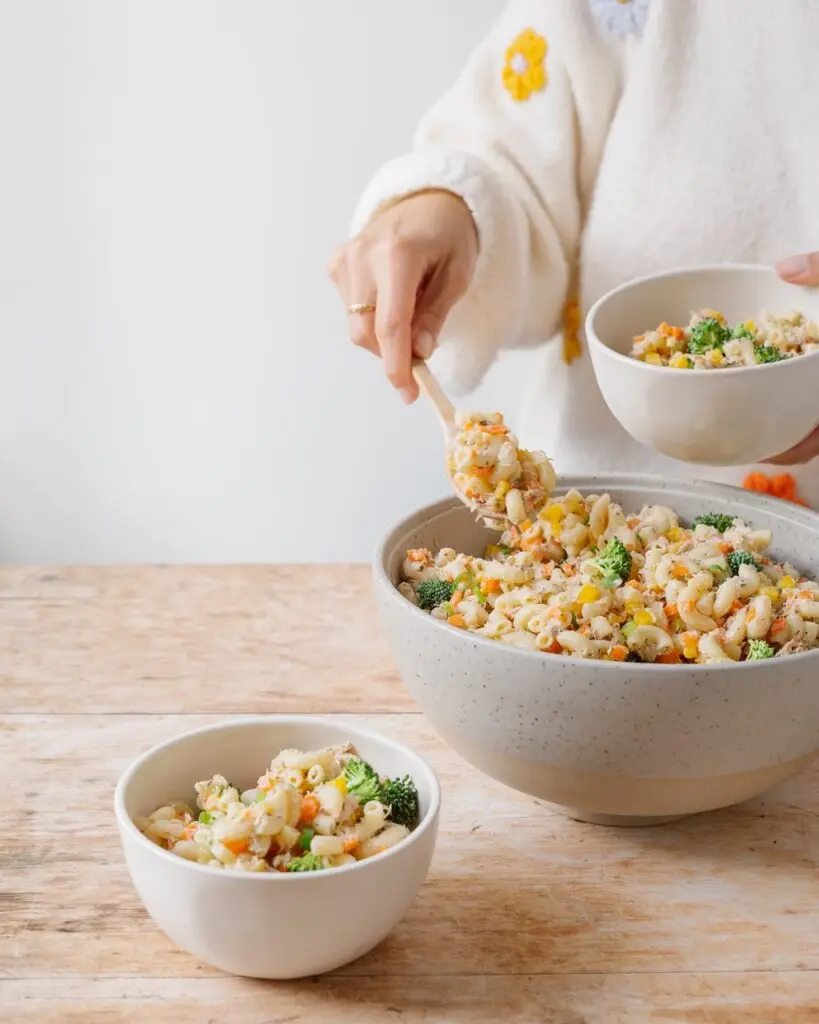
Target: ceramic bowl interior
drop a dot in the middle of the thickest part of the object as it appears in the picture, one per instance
(725, 417)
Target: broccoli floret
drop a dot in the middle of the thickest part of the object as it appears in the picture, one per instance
(615, 562)
(307, 862)
(741, 331)
(768, 354)
(758, 650)
(707, 334)
(362, 780)
(719, 520)
(401, 796)
(431, 593)
(737, 558)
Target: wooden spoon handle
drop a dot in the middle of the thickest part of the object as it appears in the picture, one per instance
(425, 379)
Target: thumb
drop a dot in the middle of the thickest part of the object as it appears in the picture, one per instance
(441, 293)
(800, 269)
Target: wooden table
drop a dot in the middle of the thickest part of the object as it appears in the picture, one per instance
(529, 918)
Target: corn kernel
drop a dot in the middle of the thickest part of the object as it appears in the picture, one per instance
(690, 651)
(341, 784)
(492, 551)
(714, 315)
(553, 513)
(680, 361)
(675, 534)
(716, 356)
(750, 325)
(525, 525)
(644, 618)
(588, 593)
(787, 582)
(770, 592)
(632, 607)
(503, 489)
(653, 359)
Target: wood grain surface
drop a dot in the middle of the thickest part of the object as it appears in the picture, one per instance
(526, 917)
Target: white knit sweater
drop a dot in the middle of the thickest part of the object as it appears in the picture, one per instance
(668, 132)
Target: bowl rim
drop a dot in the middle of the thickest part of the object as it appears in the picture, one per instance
(761, 269)
(603, 481)
(128, 825)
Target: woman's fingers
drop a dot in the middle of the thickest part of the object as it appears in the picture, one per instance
(802, 269)
(356, 285)
(399, 276)
(804, 452)
(446, 285)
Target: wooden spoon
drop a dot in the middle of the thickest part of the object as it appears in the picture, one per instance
(426, 381)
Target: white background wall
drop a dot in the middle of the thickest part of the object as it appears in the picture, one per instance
(175, 381)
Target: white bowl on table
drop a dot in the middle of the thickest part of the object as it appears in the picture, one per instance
(271, 925)
(602, 741)
(720, 417)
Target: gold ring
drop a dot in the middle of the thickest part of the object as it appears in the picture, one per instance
(361, 307)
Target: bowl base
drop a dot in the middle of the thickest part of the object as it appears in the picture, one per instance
(616, 820)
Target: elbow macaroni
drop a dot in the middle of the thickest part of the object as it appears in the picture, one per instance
(768, 339)
(300, 805)
(501, 481)
(541, 587)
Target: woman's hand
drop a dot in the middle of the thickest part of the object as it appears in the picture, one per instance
(413, 261)
(800, 270)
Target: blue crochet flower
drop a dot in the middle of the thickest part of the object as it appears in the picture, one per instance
(620, 17)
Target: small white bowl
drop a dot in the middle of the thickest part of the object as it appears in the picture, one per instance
(727, 417)
(271, 925)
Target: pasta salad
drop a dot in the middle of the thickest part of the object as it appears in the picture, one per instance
(585, 579)
(308, 812)
(709, 343)
(501, 481)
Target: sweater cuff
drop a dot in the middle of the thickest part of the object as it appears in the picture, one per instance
(471, 339)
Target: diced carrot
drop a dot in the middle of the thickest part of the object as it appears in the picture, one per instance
(554, 648)
(757, 482)
(806, 594)
(619, 652)
(491, 586)
(680, 571)
(669, 658)
(736, 606)
(418, 554)
(783, 486)
(677, 332)
(350, 844)
(457, 620)
(496, 429)
(688, 638)
(457, 597)
(778, 625)
(724, 547)
(309, 808)
(671, 610)
(484, 472)
(236, 846)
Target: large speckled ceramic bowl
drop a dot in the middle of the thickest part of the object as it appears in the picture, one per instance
(613, 743)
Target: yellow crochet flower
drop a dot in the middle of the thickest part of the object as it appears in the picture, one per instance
(572, 318)
(524, 71)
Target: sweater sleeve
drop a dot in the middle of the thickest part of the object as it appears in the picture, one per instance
(519, 138)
